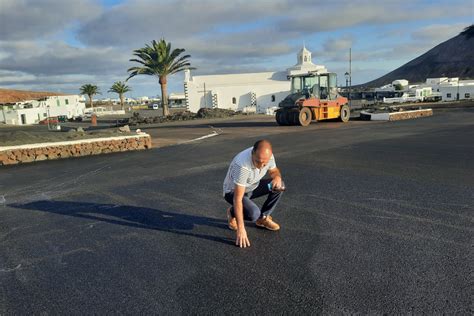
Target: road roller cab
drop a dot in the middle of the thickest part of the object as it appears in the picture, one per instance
(313, 97)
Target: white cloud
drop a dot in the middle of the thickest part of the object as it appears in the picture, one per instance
(142, 20)
(327, 16)
(437, 33)
(58, 58)
(221, 36)
(33, 19)
(14, 77)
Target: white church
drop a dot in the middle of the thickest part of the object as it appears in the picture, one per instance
(248, 92)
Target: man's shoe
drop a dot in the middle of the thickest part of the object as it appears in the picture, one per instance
(268, 223)
(231, 220)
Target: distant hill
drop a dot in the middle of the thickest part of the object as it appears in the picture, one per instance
(12, 96)
(453, 58)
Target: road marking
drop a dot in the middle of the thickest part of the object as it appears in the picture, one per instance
(200, 138)
(11, 270)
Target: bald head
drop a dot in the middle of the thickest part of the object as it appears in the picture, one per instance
(261, 153)
(262, 144)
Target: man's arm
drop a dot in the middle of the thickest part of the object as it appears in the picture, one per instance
(276, 177)
(242, 239)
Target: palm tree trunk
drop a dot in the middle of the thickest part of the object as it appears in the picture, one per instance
(90, 101)
(164, 96)
(121, 101)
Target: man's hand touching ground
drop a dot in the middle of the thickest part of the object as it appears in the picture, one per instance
(242, 241)
(277, 183)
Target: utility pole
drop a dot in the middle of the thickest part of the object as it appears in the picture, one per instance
(350, 76)
(457, 94)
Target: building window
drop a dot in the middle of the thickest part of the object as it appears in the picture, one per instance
(273, 98)
(448, 95)
(234, 100)
(44, 114)
(57, 102)
(467, 95)
(67, 101)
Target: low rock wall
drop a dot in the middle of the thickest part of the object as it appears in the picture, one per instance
(48, 151)
(407, 115)
(395, 116)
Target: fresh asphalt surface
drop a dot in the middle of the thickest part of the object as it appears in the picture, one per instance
(377, 218)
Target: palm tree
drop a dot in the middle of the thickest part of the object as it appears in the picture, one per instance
(120, 88)
(90, 90)
(159, 60)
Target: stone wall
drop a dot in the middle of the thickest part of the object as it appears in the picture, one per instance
(407, 115)
(395, 116)
(47, 151)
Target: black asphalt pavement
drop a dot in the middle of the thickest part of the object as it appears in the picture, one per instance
(377, 219)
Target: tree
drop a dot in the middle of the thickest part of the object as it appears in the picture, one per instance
(159, 60)
(90, 90)
(120, 88)
(398, 87)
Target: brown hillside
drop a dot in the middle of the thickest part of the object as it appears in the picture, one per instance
(11, 96)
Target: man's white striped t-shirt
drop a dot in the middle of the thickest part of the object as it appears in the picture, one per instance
(242, 172)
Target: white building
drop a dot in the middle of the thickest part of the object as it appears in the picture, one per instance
(176, 100)
(451, 89)
(400, 84)
(130, 101)
(447, 89)
(32, 111)
(244, 92)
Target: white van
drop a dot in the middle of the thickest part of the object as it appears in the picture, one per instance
(88, 113)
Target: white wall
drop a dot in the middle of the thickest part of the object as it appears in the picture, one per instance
(223, 88)
(68, 105)
(449, 92)
(243, 96)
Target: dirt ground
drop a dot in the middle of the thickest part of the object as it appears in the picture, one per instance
(22, 135)
(108, 126)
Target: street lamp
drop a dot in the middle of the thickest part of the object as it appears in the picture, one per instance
(347, 79)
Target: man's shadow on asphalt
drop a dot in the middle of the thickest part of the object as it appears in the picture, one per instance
(131, 216)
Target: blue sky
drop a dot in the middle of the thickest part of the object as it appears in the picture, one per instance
(68, 43)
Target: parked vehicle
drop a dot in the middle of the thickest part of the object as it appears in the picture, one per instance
(49, 120)
(313, 97)
(88, 114)
(405, 98)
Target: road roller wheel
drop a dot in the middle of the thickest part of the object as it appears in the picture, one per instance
(293, 117)
(277, 117)
(345, 113)
(304, 117)
(282, 117)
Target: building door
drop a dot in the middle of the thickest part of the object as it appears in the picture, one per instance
(23, 119)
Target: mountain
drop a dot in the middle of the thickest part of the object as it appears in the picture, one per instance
(12, 96)
(453, 58)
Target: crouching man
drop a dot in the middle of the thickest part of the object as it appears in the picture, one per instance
(244, 182)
